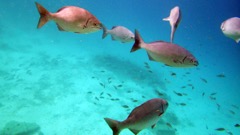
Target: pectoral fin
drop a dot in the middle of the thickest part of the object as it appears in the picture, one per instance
(154, 125)
(135, 131)
(60, 28)
(159, 112)
(166, 19)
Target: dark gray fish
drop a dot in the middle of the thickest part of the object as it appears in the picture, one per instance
(204, 80)
(220, 129)
(141, 117)
(170, 54)
(174, 20)
(237, 125)
(177, 93)
(221, 75)
(119, 33)
(235, 106)
(212, 94)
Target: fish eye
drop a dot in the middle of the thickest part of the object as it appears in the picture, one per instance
(95, 24)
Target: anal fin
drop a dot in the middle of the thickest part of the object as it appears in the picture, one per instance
(60, 28)
(150, 57)
(135, 131)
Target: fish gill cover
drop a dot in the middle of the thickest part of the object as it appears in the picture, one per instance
(67, 83)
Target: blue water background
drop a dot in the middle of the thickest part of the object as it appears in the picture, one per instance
(80, 57)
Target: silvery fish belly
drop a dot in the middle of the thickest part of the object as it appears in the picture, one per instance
(71, 19)
(231, 28)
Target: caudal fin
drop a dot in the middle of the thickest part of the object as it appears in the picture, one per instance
(105, 32)
(113, 124)
(44, 15)
(138, 42)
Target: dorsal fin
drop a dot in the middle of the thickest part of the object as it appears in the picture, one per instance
(62, 8)
(114, 27)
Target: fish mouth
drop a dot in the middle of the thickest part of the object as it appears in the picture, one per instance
(222, 26)
(196, 63)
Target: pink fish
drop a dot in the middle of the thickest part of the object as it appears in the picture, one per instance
(231, 28)
(71, 19)
(168, 53)
(174, 20)
(143, 116)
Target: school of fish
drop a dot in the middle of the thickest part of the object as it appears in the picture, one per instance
(79, 20)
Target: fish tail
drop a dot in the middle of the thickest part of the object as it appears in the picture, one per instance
(105, 32)
(44, 15)
(138, 42)
(113, 124)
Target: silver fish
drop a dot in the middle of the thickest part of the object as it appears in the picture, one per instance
(119, 33)
(170, 54)
(141, 117)
(231, 28)
(174, 20)
(70, 18)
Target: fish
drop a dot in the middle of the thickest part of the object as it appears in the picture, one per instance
(119, 33)
(182, 104)
(231, 28)
(169, 125)
(125, 106)
(235, 106)
(237, 125)
(170, 54)
(232, 112)
(141, 117)
(204, 80)
(220, 129)
(70, 19)
(173, 74)
(221, 75)
(174, 20)
(214, 93)
(177, 93)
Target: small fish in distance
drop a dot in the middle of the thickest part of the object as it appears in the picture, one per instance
(231, 28)
(119, 33)
(70, 18)
(170, 54)
(141, 117)
(174, 20)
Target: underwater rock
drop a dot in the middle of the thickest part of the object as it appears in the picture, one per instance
(21, 128)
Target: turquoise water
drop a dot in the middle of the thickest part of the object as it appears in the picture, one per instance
(60, 80)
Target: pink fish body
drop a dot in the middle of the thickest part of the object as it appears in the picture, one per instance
(168, 53)
(174, 20)
(71, 19)
(231, 28)
(143, 116)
